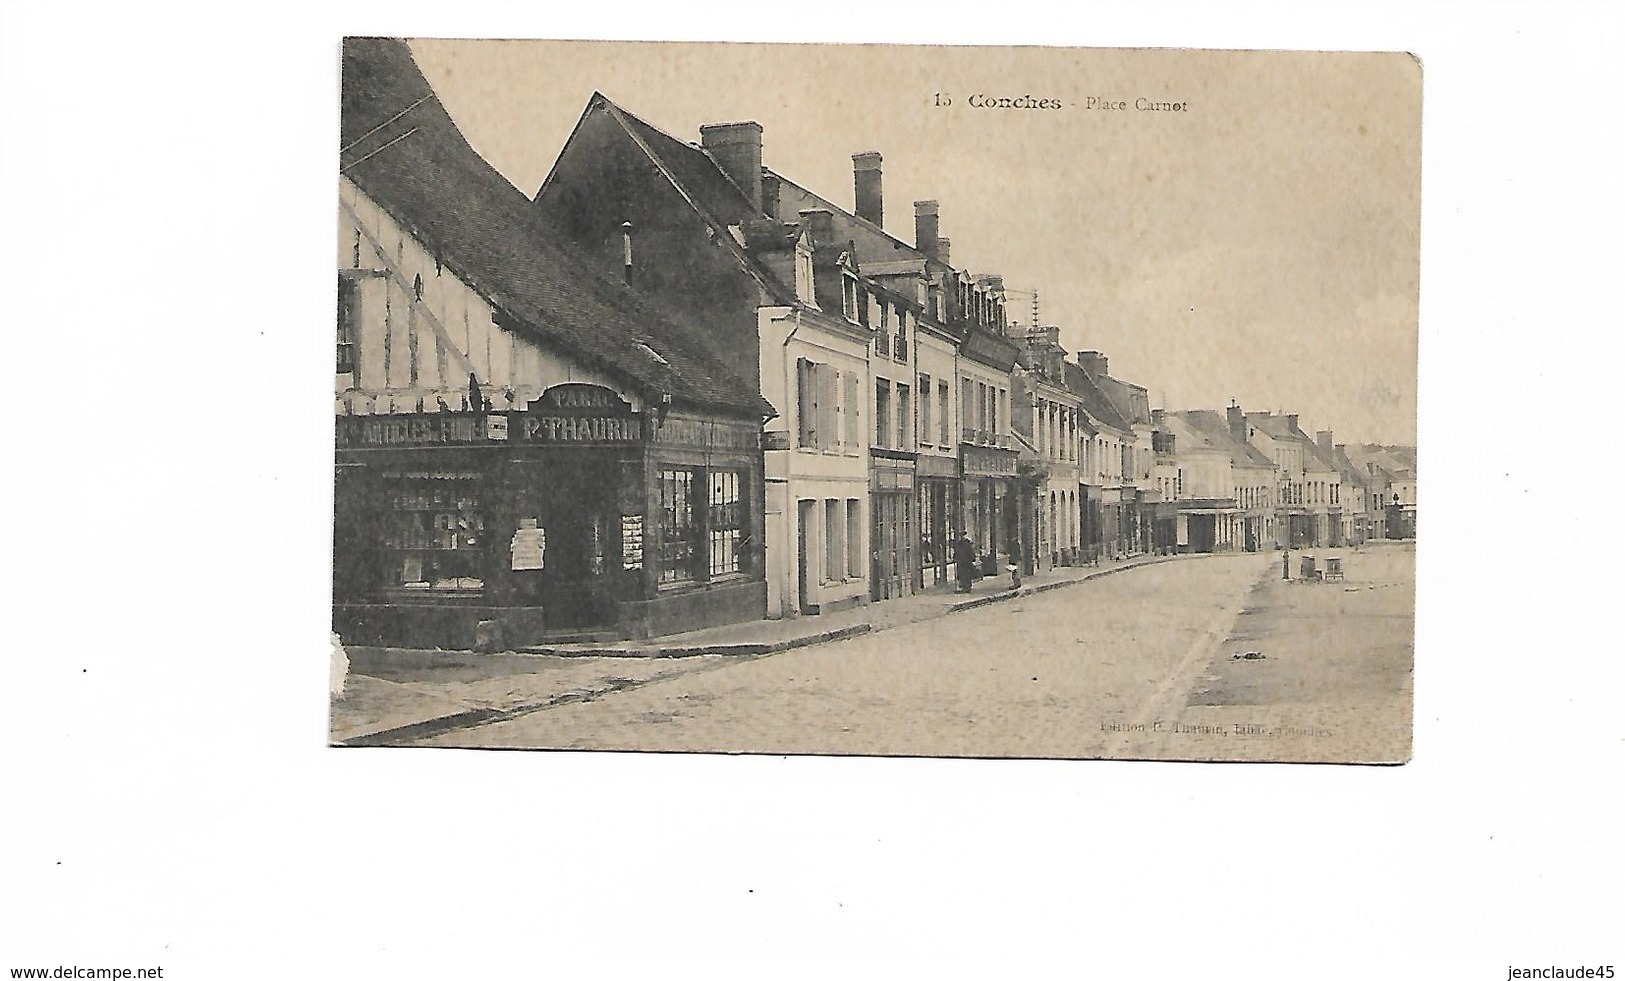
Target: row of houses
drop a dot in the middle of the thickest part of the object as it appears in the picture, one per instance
(675, 388)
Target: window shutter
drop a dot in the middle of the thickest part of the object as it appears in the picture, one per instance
(826, 404)
(854, 421)
(806, 402)
(838, 433)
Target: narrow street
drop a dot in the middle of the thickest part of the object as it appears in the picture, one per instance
(1132, 665)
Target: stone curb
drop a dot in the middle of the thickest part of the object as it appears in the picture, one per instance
(1010, 594)
(741, 649)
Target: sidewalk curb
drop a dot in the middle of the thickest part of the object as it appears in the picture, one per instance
(1010, 594)
(742, 649)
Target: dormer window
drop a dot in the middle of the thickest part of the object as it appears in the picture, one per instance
(804, 275)
(849, 298)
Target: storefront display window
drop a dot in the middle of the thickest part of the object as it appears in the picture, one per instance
(435, 532)
(702, 524)
(726, 523)
(677, 525)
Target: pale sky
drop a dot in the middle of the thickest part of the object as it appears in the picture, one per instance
(1262, 244)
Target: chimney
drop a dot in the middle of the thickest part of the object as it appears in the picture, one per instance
(770, 195)
(942, 250)
(1292, 420)
(866, 187)
(1323, 439)
(1093, 363)
(925, 227)
(1238, 423)
(822, 226)
(737, 149)
(1156, 418)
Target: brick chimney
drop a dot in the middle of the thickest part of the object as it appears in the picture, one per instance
(866, 194)
(821, 224)
(1292, 420)
(1323, 439)
(737, 149)
(1238, 423)
(926, 227)
(770, 195)
(942, 250)
(1093, 363)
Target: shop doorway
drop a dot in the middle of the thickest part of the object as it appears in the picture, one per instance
(578, 582)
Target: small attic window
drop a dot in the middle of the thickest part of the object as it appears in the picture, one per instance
(804, 276)
(849, 297)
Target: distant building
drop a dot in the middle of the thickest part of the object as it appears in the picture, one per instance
(1222, 485)
(1391, 473)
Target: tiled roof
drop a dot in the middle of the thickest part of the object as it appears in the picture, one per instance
(1095, 402)
(1280, 427)
(1213, 431)
(482, 228)
(1118, 391)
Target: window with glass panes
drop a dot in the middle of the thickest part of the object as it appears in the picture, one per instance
(435, 532)
(725, 523)
(677, 525)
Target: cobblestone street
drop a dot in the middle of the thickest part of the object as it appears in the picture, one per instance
(1084, 671)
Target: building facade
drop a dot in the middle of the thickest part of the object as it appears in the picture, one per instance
(524, 450)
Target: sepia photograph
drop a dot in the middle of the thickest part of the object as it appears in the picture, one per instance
(812, 493)
(876, 400)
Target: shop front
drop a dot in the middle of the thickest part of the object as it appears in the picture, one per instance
(991, 510)
(575, 516)
(937, 488)
(894, 549)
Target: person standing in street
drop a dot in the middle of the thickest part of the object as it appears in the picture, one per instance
(964, 561)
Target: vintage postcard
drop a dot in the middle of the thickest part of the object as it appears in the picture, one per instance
(876, 400)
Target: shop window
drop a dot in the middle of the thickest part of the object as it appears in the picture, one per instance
(435, 533)
(678, 526)
(725, 523)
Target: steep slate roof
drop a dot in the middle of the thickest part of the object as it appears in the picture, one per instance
(873, 242)
(1118, 391)
(482, 228)
(1350, 469)
(1395, 461)
(1095, 401)
(1279, 427)
(1212, 431)
(713, 195)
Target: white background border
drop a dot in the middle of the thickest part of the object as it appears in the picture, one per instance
(169, 205)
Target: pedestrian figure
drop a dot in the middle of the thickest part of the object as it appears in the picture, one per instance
(964, 561)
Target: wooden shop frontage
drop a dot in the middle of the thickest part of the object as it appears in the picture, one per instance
(576, 516)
